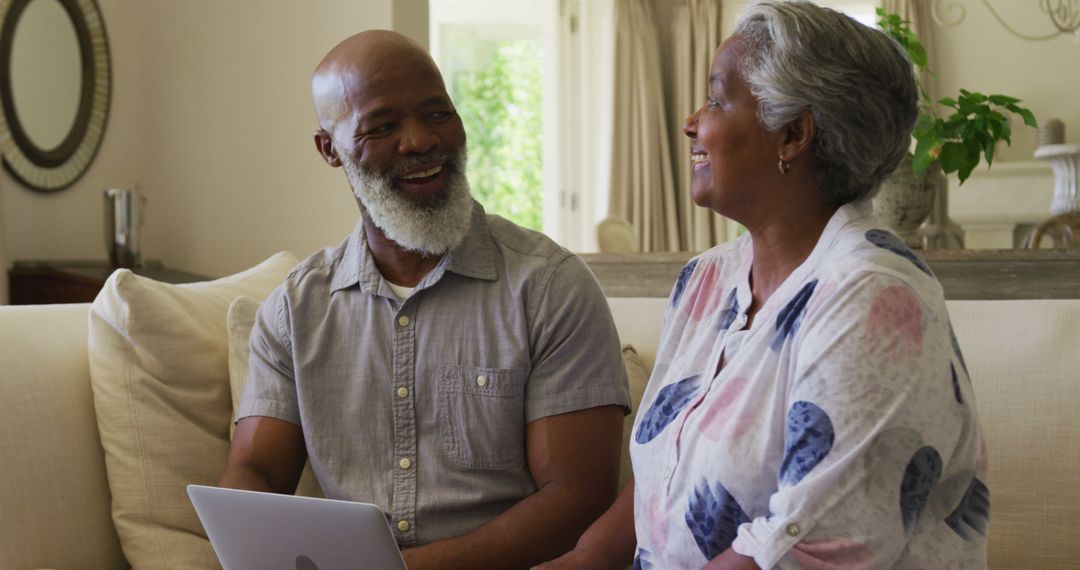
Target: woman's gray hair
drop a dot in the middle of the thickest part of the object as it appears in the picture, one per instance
(856, 82)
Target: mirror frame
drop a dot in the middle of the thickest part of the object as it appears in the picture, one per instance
(50, 170)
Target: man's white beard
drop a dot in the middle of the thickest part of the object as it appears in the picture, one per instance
(431, 228)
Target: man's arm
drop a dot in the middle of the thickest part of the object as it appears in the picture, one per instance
(267, 454)
(610, 541)
(574, 459)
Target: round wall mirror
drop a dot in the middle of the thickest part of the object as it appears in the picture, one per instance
(55, 86)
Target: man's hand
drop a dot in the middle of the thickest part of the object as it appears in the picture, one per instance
(579, 559)
(574, 459)
(267, 454)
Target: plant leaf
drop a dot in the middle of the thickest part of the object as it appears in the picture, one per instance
(1003, 100)
(953, 157)
(925, 154)
(988, 150)
(1029, 118)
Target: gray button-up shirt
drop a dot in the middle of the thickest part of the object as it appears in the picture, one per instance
(420, 405)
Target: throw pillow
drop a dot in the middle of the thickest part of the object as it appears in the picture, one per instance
(635, 372)
(160, 379)
(241, 320)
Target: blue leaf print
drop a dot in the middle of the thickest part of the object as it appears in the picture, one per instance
(973, 512)
(641, 560)
(956, 385)
(888, 241)
(808, 440)
(920, 477)
(671, 399)
(714, 517)
(790, 317)
(730, 310)
(680, 284)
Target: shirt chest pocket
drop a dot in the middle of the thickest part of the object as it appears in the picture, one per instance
(482, 416)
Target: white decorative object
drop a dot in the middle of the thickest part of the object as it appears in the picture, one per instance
(1063, 159)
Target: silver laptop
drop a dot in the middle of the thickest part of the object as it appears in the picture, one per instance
(266, 531)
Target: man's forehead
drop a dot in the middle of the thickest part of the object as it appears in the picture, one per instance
(370, 86)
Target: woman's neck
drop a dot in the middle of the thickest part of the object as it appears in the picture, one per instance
(782, 241)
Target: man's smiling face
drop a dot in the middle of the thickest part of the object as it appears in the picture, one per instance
(387, 120)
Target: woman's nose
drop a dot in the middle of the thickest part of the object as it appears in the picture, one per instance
(689, 127)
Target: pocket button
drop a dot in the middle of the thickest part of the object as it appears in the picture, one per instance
(481, 381)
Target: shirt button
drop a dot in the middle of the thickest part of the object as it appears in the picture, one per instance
(402, 392)
(403, 526)
(793, 529)
(481, 381)
(405, 463)
(403, 321)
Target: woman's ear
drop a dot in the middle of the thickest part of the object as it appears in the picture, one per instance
(324, 143)
(798, 136)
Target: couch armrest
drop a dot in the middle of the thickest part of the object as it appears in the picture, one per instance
(52, 485)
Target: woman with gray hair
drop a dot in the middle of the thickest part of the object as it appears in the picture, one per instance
(809, 407)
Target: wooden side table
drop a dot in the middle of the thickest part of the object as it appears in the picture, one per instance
(48, 282)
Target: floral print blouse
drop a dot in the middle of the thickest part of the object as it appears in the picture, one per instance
(841, 431)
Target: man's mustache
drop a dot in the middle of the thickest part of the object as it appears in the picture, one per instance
(449, 160)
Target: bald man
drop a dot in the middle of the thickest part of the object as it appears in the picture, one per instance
(460, 372)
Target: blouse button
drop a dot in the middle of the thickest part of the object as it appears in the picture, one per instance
(793, 529)
(403, 525)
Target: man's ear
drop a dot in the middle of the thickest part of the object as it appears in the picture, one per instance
(324, 143)
(798, 137)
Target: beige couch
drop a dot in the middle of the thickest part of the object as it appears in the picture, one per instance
(1023, 356)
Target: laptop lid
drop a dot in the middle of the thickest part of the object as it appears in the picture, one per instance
(267, 531)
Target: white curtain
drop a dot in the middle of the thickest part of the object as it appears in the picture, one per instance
(642, 183)
(918, 12)
(695, 37)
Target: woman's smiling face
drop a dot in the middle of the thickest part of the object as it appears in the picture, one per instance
(731, 153)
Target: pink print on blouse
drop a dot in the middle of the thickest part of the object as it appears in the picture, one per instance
(833, 554)
(895, 324)
(657, 517)
(707, 295)
(982, 465)
(724, 419)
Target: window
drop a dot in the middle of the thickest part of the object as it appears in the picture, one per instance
(491, 54)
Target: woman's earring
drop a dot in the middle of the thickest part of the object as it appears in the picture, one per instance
(784, 166)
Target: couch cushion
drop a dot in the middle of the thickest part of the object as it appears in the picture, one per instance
(1024, 361)
(53, 493)
(159, 371)
(638, 378)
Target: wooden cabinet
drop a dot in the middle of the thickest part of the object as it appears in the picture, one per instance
(47, 282)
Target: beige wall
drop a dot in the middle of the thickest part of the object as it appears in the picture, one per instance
(211, 119)
(68, 224)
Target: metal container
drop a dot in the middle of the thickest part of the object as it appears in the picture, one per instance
(123, 226)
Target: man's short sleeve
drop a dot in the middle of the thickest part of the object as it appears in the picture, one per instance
(576, 360)
(270, 389)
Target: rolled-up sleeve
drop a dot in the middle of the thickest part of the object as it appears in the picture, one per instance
(576, 357)
(270, 388)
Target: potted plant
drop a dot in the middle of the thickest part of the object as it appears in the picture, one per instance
(954, 143)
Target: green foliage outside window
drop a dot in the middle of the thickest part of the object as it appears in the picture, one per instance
(499, 103)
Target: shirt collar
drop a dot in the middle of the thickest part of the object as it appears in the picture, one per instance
(473, 257)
